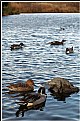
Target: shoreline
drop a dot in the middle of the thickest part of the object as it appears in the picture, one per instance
(13, 8)
(38, 13)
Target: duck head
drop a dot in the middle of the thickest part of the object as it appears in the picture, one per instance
(30, 82)
(21, 44)
(41, 90)
(63, 40)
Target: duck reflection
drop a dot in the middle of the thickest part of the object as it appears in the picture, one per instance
(34, 101)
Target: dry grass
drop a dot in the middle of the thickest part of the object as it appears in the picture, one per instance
(46, 7)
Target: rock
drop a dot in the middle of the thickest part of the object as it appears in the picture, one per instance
(61, 86)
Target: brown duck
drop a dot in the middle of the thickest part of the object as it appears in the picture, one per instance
(22, 87)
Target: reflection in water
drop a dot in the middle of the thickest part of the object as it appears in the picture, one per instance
(60, 96)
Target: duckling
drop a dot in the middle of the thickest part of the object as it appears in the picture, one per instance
(22, 87)
(32, 101)
(16, 46)
(57, 42)
(69, 50)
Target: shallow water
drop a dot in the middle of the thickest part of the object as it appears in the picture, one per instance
(40, 61)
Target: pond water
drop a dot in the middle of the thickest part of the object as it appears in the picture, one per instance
(40, 61)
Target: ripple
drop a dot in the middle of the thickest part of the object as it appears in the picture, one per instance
(40, 61)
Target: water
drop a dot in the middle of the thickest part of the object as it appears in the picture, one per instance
(40, 61)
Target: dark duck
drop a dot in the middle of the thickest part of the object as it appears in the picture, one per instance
(57, 42)
(69, 50)
(16, 46)
(32, 101)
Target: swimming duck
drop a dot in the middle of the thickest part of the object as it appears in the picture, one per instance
(22, 87)
(61, 28)
(16, 46)
(69, 50)
(57, 42)
(32, 101)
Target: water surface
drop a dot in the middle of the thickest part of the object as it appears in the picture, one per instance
(40, 61)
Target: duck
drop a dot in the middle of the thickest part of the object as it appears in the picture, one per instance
(69, 50)
(32, 101)
(61, 28)
(22, 87)
(34, 98)
(57, 42)
(16, 46)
